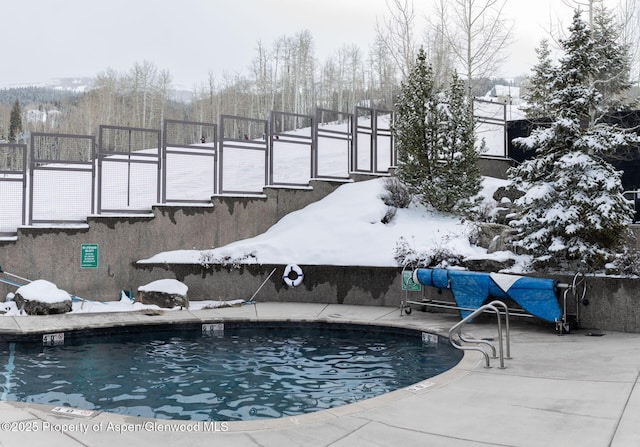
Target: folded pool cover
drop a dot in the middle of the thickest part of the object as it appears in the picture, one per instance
(471, 289)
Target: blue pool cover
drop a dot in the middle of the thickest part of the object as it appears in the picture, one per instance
(536, 296)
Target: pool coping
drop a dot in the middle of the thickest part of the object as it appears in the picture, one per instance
(12, 327)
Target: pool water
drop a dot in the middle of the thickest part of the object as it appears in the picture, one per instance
(239, 374)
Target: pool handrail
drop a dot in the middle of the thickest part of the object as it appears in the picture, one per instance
(484, 308)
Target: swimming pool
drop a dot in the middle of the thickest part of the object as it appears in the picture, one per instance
(215, 372)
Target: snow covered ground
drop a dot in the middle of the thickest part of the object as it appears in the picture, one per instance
(344, 228)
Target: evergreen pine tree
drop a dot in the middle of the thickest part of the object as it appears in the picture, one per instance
(573, 208)
(536, 97)
(461, 174)
(15, 122)
(415, 136)
(435, 141)
(613, 66)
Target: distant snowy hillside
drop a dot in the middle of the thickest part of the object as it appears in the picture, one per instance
(74, 85)
(81, 85)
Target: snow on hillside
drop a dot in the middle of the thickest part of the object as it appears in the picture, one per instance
(345, 228)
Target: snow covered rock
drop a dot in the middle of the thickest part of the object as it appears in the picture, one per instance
(167, 293)
(506, 208)
(41, 297)
(488, 232)
(507, 192)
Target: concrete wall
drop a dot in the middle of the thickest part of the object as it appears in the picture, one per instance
(54, 253)
(613, 303)
(495, 167)
(322, 284)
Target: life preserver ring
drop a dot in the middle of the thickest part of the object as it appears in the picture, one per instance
(292, 275)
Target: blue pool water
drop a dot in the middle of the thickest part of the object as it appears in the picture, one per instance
(239, 374)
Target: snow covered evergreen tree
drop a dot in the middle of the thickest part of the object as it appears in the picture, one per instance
(537, 93)
(461, 179)
(613, 61)
(573, 208)
(414, 139)
(437, 157)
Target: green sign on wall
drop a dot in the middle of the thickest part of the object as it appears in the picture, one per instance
(407, 282)
(89, 256)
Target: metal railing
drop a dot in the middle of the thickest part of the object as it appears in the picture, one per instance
(491, 121)
(291, 137)
(13, 187)
(66, 161)
(456, 329)
(128, 170)
(243, 155)
(372, 141)
(185, 144)
(333, 135)
(578, 289)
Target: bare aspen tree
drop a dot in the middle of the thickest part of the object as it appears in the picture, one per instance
(328, 84)
(141, 79)
(261, 70)
(107, 86)
(477, 34)
(341, 69)
(276, 57)
(286, 62)
(384, 79)
(438, 50)
(347, 77)
(198, 102)
(356, 74)
(214, 99)
(304, 73)
(398, 35)
(628, 16)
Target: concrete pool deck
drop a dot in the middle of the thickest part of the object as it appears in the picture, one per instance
(578, 389)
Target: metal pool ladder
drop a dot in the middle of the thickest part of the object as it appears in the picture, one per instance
(456, 329)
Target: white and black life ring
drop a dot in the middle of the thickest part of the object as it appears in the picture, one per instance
(292, 275)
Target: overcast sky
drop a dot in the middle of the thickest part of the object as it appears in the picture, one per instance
(46, 39)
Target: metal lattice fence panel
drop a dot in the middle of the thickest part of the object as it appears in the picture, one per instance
(128, 169)
(363, 156)
(292, 149)
(491, 126)
(373, 142)
(243, 155)
(13, 187)
(384, 154)
(61, 180)
(334, 136)
(189, 144)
